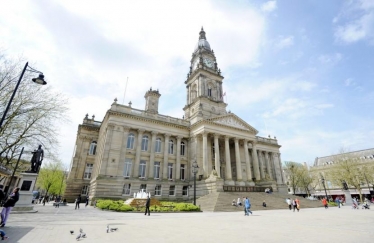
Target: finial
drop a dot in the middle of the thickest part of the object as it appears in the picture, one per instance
(86, 117)
(219, 71)
(275, 137)
(93, 117)
(202, 34)
(130, 103)
(150, 89)
(269, 136)
(183, 117)
(115, 100)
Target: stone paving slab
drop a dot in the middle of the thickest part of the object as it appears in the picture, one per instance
(308, 225)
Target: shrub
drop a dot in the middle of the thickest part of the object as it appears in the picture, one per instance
(332, 204)
(103, 204)
(125, 208)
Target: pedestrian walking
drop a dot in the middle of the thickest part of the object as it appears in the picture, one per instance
(247, 206)
(8, 206)
(77, 202)
(147, 205)
(297, 204)
(57, 202)
(325, 204)
(87, 201)
(337, 201)
(294, 205)
(289, 202)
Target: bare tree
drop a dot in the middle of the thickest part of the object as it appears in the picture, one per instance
(34, 115)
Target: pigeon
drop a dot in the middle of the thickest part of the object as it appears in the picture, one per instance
(107, 228)
(113, 229)
(80, 230)
(71, 231)
(78, 237)
(83, 235)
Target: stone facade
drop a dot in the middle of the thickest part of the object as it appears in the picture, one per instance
(135, 149)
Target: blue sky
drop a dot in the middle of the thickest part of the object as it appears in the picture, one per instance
(298, 70)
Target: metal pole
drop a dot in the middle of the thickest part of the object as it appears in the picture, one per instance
(194, 188)
(325, 188)
(14, 171)
(14, 92)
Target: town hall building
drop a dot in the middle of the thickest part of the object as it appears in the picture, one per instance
(131, 149)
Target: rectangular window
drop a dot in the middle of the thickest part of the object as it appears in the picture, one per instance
(170, 171)
(85, 190)
(127, 170)
(183, 147)
(172, 191)
(158, 190)
(88, 171)
(182, 171)
(185, 191)
(156, 172)
(126, 189)
(142, 167)
(143, 187)
(158, 145)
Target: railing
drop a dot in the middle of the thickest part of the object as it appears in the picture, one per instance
(244, 189)
(267, 140)
(142, 113)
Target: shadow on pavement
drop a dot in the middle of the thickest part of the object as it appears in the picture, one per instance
(15, 233)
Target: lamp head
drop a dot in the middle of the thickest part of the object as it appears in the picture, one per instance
(40, 80)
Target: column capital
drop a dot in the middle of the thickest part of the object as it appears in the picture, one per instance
(167, 135)
(254, 143)
(216, 135)
(236, 140)
(180, 137)
(141, 130)
(154, 133)
(227, 137)
(126, 128)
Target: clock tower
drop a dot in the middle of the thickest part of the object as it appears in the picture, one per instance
(204, 84)
(151, 101)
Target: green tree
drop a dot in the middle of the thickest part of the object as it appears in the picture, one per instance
(306, 180)
(51, 178)
(294, 172)
(34, 115)
(347, 168)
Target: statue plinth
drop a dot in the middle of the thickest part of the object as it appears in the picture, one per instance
(26, 185)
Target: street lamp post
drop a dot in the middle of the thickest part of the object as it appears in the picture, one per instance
(38, 80)
(14, 171)
(323, 183)
(195, 168)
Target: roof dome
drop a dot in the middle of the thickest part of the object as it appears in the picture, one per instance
(202, 41)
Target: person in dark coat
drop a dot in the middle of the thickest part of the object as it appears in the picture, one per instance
(147, 205)
(2, 195)
(8, 206)
(77, 202)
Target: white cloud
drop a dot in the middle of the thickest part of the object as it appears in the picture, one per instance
(349, 82)
(330, 58)
(324, 106)
(269, 6)
(355, 22)
(283, 42)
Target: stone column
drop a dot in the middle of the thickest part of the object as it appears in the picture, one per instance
(238, 162)
(166, 157)
(267, 159)
(228, 160)
(256, 168)
(152, 156)
(138, 152)
(280, 166)
(205, 155)
(216, 155)
(178, 164)
(108, 143)
(122, 157)
(247, 163)
(261, 162)
(278, 173)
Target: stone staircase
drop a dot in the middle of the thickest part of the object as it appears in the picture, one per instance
(221, 201)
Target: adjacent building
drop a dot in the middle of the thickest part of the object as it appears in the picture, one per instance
(132, 149)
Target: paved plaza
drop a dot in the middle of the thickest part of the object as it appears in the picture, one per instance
(309, 225)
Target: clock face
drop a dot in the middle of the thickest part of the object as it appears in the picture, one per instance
(208, 62)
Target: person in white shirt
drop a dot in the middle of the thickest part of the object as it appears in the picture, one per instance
(288, 201)
(239, 202)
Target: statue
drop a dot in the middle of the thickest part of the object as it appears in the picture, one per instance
(36, 160)
(267, 177)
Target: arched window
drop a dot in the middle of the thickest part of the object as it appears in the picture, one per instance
(92, 150)
(171, 147)
(158, 145)
(183, 147)
(130, 141)
(145, 143)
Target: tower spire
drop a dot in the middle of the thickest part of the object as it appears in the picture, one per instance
(202, 34)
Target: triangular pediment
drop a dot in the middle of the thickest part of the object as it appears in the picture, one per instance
(232, 120)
